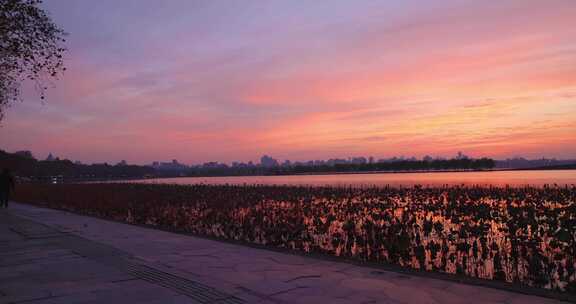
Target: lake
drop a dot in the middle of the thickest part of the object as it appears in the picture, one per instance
(496, 178)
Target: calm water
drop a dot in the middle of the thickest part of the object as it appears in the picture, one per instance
(497, 178)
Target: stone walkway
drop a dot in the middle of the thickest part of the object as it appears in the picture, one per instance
(50, 256)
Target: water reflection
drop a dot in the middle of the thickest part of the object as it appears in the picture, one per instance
(495, 178)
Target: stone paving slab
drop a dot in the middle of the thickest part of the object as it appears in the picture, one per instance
(40, 264)
(251, 275)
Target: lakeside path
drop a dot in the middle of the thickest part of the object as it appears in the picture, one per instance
(51, 256)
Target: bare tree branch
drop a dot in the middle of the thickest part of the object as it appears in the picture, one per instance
(31, 48)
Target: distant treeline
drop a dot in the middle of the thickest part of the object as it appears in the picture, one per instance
(30, 168)
(405, 165)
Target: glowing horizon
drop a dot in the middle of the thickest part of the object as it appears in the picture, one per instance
(229, 81)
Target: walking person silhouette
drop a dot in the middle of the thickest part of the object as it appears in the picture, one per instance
(7, 185)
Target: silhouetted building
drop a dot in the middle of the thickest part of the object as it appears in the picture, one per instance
(268, 162)
(461, 155)
(358, 160)
(173, 165)
(51, 157)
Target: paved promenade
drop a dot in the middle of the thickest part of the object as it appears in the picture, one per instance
(50, 256)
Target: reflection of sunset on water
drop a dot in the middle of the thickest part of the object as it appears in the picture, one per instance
(494, 178)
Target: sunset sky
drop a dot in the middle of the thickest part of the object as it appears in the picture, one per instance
(231, 80)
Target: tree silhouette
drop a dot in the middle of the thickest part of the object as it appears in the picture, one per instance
(31, 48)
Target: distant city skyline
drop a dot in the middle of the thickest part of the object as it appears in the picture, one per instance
(268, 161)
(204, 80)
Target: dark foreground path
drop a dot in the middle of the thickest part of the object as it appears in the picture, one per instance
(50, 256)
(42, 264)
